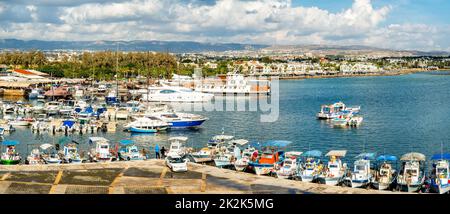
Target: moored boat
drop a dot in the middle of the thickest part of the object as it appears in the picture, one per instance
(362, 174)
(310, 167)
(333, 174)
(288, 168)
(411, 177)
(386, 174)
(10, 156)
(440, 178)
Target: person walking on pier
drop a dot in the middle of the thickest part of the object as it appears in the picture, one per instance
(157, 151)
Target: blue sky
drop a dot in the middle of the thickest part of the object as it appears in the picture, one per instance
(394, 24)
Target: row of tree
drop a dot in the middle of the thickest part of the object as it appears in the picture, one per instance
(99, 65)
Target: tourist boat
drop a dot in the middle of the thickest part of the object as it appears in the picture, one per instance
(269, 158)
(175, 94)
(34, 158)
(52, 157)
(52, 108)
(180, 120)
(386, 174)
(362, 175)
(10, 156)
(235, 84)
(334, 173)
(241, 163)
(289, 166)
(176, 146)
(21, 122)
(311, 166)
(146, 125)
(332, 111)
(440, 178)
(101, 152)
(71, 154)
(412, 174)
(129, 151)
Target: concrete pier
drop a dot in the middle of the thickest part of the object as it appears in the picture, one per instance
(150, 176)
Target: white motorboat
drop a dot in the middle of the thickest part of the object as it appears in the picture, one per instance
(34, 158)
(362, 175)
(146, 125)
(101, 152)
(289, 166)
(176, 146)
(71, 155)
(175, 94)
(52, 108)
(21, 122)
(335, 171)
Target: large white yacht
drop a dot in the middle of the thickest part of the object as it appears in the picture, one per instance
(175, 94)
(234, 84)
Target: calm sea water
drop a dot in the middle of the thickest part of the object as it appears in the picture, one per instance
(401, 114)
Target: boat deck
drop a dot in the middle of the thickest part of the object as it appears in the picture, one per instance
(150, 176)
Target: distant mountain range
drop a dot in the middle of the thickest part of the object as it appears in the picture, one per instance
(162, 46)
(197, 47)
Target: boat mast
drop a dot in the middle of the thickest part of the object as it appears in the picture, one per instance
(117, 70)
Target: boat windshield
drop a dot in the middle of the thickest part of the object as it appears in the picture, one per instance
(104, 146)
(442, 170)
(288, 162)
(134, 150)
(411, 172)
(360, 167)
(174, 147)
(333, 166)
(176, 160)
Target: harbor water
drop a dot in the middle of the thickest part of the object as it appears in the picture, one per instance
(401, 114)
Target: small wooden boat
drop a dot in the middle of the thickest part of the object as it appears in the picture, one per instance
(386, 175)
(288, 168)
(334, 173)
(362, 174)
(311, 166)
(440, 178)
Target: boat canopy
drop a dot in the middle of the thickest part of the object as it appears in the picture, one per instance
(337, 153)
(445, 156)
(413, 156)
(126, 142)
(240, 142)
(366, 156)
(222, 137)
(46, 146)
(277, 143)
(386, 158)
(179, 138)
(10, 142)
(312, 153)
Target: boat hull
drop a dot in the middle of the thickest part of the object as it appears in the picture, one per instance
(139, 130)
(409, 188)
(359, 183)
(186, 124)
(9, 162)
(222, 163)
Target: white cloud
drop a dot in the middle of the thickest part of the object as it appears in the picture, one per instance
(248, 21)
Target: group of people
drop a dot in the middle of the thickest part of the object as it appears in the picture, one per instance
(160, 153)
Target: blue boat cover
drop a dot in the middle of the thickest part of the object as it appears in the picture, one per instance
(126, 142)
(89, 109)
(10, 142)
(386, 158)
(445, 156)
(68, 123)
(312, 153)
(366, 156)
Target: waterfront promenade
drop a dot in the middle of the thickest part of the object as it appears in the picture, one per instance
(152, 177)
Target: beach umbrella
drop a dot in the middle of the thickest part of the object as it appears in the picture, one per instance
(10, 142)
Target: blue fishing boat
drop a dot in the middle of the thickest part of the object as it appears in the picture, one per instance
(180, 120)
(439, 180)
